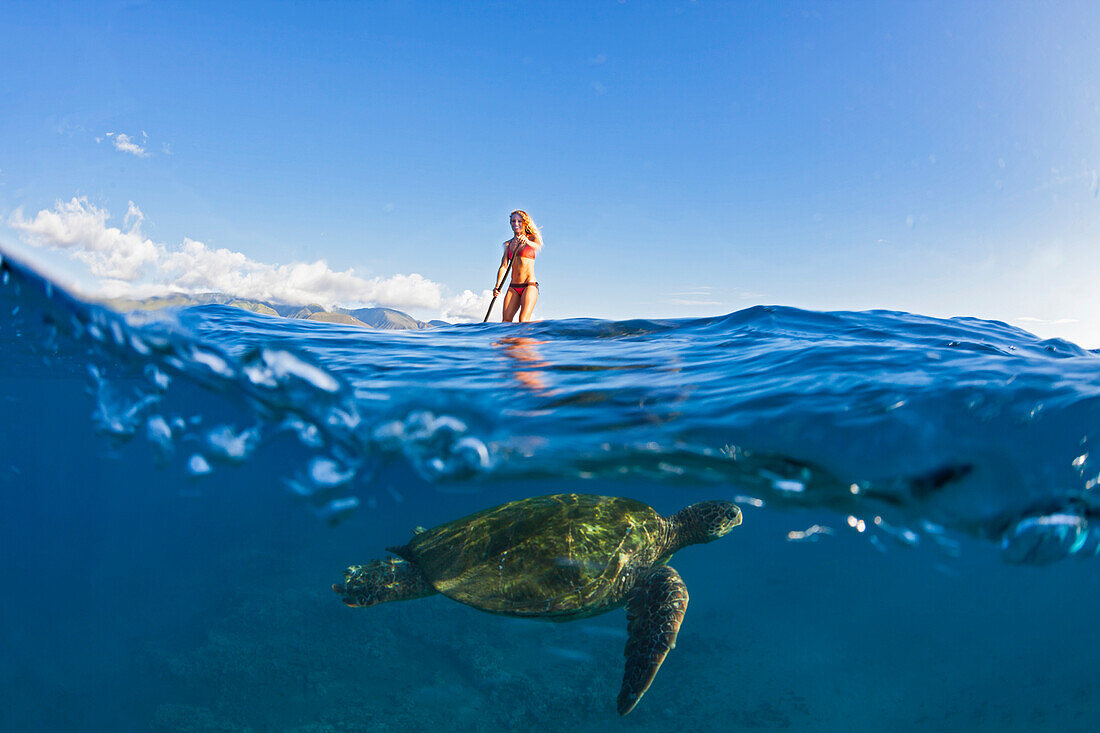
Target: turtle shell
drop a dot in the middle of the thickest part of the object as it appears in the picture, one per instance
(564, 555)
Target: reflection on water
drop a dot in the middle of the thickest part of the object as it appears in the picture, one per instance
(522, 350)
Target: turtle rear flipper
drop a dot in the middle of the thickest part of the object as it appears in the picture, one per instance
(383, 580)
(654, 613)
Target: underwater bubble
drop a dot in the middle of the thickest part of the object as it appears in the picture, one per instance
(344, 418)
(211, 361)
(449, 424)
(159, 434)
(308, 433)
(389, 435)
(433, 468)
(422, 425)
(462, 460)
(474, 448)
(794, 487)
(364, 394)
(322, 478)
(118, 414)
(327, 472)
(300, 488)
(198, 466)
(157, 377)
(227, 444)
(284, 364)
(810, 534)
(338, 510)
(1044, 539)
(902, 534)
(259, 375)
(140, 346)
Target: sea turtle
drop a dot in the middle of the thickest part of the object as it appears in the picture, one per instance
(559, 557)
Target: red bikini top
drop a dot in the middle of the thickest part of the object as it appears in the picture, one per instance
(527, 253)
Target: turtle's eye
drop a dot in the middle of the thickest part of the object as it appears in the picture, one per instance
(732, 516)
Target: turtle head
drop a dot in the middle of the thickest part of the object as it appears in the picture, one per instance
(705, 522)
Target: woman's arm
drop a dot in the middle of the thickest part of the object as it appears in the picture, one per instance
(500, 270)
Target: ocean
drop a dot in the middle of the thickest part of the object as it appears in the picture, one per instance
(179, 490)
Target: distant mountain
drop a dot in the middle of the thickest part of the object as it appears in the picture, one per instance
(261, 308)
(343, 318)
(176, 300)
(387, 318)
(380, 318)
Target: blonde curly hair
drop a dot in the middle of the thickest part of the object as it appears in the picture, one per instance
(529, 229)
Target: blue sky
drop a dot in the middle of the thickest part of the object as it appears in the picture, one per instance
(683, 158)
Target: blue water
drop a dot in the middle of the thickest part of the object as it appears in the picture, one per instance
(179, 490)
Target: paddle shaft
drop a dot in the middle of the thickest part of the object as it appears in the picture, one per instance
(501, 283)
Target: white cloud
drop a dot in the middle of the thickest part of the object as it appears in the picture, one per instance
(81, 228)
(124, 143)
(128, 264)
(469, 307)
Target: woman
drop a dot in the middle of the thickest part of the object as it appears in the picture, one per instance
(523, 292)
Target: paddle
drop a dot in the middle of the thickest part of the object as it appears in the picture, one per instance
(501, 283)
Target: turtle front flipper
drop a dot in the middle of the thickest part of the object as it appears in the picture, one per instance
(654, 613)
(379, 581)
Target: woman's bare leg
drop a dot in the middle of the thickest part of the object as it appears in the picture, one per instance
(530, 297)
(511, 305)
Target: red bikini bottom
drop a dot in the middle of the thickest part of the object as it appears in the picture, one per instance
(520, 287)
